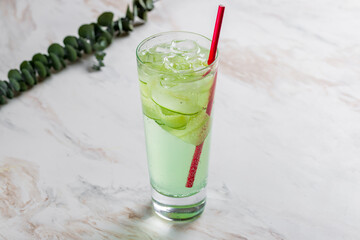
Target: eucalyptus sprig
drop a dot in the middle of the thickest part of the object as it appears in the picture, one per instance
(93, 38)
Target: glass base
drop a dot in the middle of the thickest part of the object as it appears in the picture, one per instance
(179, 209)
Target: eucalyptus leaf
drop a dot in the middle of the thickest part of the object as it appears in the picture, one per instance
(127, 25)
(27, 77)
(40, 58)
(48, 71)
(100, 44)
(87, 31)
(100, 56)
(15, 74)
(105, 19)
(26, 65)
(55, 61)
(63, 63)
(129, 14)
(9, 94)
(40, 68)
(103, 42)
(98, 30)
(15, 84)
(57, 49)
(135, 11)
(111, 29)
(142, 13)
(23, 86)
(9, 86)
(72, 41)
(119, 26)
(107, 36)
(141, 4)
(149, 4)
(3, 88)
(70, 53)
(85, 45)
(10, 91)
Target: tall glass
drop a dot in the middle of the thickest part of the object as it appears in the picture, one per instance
(177, 89)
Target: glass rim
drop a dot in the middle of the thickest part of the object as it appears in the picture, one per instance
(183, 71)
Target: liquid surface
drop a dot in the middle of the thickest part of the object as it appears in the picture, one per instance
(177, 56)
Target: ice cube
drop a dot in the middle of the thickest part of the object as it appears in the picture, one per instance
(162, 48)
(154, 55)
(167, 63)
(184, 46)
(177, 63)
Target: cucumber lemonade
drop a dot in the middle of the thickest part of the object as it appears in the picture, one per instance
(175, 83)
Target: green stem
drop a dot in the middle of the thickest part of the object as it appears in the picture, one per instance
(93, 38)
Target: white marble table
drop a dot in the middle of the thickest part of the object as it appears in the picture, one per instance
(285, 160)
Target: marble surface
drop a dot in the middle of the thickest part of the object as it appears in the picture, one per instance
(285, 160)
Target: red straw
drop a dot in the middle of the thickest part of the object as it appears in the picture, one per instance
(212, 54)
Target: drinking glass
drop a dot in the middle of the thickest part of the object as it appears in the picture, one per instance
(177, 90)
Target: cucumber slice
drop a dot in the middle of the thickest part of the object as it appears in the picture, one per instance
(159, 122)
(150, 109)
(197, 86)
(144, 90)
(180, 102)
(167, 111)
(176, 121)
(170, 119)
(196, 129)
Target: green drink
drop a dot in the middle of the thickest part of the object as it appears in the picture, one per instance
(170, 160)
(176, 86)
